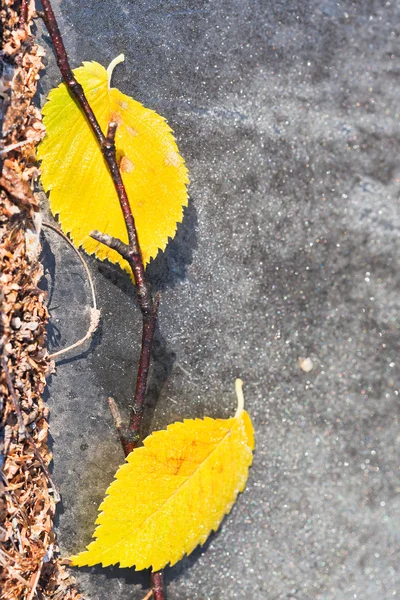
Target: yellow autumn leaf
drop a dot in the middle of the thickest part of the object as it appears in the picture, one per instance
(75, 173)
(172, 492)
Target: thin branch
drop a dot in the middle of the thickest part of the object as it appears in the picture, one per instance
(149, 326)
(62, 62)
(23, 430)
(11, 147)
(94, 311)
(106, 142)
(157, 585)
(35, 582)
(79, 255)
(118, 423)
(111, 242)
(131, 251)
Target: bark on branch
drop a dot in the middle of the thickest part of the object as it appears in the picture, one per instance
(130, 252)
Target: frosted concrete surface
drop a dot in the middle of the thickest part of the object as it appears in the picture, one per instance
(287, 114)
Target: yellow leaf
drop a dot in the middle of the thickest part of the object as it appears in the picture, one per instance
(172, 492)
(74, 171)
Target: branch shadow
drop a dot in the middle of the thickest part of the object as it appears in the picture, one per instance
(167, 270)
(132, 577)
(180, 569)
(169, 267)
(129, 575)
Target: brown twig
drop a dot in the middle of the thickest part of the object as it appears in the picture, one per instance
(35, 578)
(131, 251)
(118, 423)
(157, 585)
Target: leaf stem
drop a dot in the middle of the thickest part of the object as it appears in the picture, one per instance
(131, 251)
(239, 396)
(116, 61)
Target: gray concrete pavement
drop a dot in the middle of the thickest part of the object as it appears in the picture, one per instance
(287, 114)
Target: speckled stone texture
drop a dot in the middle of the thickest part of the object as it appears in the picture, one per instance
(287, 114)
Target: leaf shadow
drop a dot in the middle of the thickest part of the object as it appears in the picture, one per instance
(129, 575)
(179, 570)
(132, 577)
(47, 284)
(169, 267)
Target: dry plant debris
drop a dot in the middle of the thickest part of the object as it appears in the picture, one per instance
(28, 568)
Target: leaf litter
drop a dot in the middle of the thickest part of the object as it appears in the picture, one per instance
(28, 566)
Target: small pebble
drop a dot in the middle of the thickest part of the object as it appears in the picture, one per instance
(306, 364)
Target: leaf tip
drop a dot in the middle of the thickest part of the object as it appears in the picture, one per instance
(76, 560)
